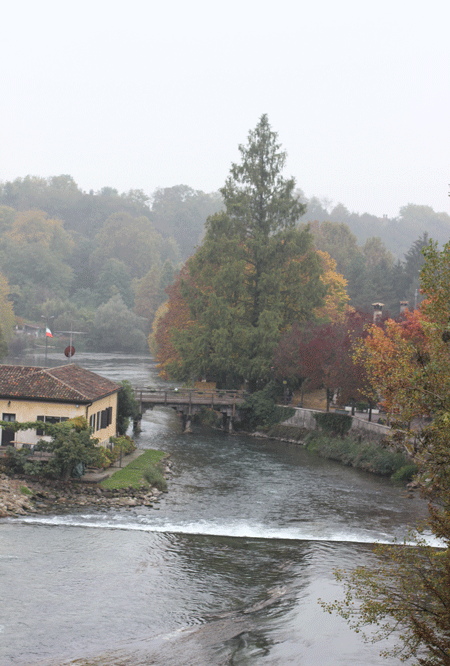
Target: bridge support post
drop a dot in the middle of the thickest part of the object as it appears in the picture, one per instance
(230, 425)
(186, 423)
(227, 423)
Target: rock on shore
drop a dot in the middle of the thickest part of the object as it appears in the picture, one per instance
(13, 501)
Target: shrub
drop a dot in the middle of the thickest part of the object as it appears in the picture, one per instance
(71, 445)
(122, 444)
(406, 473)
(15, 460)
(287, 432)
(261, 411)
(34, 468)
(335, 424)
(369, 456)
(105, 457)
(209, 417)
(155, 478)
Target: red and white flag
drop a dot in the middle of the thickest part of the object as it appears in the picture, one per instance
(48, 333)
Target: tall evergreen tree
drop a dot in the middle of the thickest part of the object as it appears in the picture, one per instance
(255, 275)
(414, 260)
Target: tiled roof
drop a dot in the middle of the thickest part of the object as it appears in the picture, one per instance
(66, 383)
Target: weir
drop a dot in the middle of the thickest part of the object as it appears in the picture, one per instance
(187, 402)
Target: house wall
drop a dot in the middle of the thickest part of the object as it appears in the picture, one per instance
(110, 431)
(29, 411)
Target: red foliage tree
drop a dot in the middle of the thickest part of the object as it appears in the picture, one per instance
(322, 357)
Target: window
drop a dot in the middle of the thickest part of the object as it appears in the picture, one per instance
(7, 435)
(49, 419)
(103, 419)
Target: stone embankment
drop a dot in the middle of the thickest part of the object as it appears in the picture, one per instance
(20, 496)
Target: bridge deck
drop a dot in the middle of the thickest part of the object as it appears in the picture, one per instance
(171, 397)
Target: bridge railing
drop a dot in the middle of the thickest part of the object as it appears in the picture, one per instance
(178, 395)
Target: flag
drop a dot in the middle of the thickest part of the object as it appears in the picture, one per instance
(48, 333)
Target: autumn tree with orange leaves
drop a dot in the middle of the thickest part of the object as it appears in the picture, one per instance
(173, 316)
(408, 364)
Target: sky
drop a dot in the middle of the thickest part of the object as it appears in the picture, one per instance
(144, 94)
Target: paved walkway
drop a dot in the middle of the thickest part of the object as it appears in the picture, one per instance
(101, 475)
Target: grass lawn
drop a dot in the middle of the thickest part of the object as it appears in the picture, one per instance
(133, 473)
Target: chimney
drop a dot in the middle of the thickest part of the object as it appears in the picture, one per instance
(403, 306)
(377, 312)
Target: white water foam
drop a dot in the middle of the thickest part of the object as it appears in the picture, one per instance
(239, 530)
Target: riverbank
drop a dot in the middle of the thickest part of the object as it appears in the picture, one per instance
(23, 495)
(365, 451)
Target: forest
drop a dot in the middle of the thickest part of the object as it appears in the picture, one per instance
(101, 262)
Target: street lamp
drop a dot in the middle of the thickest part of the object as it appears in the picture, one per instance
(48, 333)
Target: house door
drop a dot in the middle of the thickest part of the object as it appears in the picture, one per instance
(7, 434)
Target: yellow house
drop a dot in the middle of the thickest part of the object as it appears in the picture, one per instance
(52, 395)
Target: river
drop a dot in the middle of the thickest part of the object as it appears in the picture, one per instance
(225, 571)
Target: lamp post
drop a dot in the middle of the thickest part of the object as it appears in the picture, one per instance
(47, 319)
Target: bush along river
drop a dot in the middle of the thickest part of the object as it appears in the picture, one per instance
(225, 570)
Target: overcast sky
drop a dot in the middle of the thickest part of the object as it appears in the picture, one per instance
(144, 94)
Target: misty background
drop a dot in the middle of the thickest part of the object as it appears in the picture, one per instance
(140, 95)
(120, 121)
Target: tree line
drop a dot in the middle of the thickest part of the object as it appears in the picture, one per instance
(101, 261)
(268, 296)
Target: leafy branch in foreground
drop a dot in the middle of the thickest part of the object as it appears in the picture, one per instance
(408, 365)
(406, 596)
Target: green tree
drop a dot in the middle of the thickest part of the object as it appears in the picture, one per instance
(182, 212)
(413, 262)
(134, 241)
(7, 215)
(114, 278)
(150, 291)
(127, 407)
(3, 345)
(6, 316)
(34, 254)
(255, 275)
(116, 328)
(379, 283)
(341, 244)
(71, 444)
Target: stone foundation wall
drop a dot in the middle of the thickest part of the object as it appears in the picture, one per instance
(304, 418)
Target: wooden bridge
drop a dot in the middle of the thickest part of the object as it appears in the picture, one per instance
(188, 402)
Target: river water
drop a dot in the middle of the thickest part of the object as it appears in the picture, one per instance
(226, 570)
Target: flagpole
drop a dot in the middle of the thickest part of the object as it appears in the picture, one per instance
(70, 342)
(46, 336)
